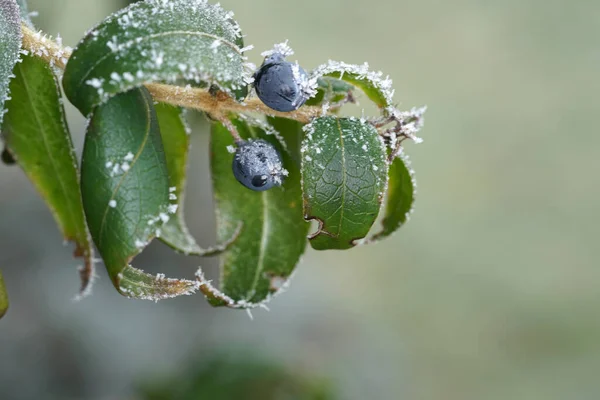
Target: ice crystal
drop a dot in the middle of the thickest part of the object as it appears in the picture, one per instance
(281, 48)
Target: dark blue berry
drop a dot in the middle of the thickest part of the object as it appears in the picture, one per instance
(280, 84)
(257, 165)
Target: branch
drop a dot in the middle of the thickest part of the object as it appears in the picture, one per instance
(199, 99)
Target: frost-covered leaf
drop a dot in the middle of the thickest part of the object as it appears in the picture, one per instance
(377, 88)
(3, 297)
(125, 187)
(37, 136)
(10, 45)
(24, 11)
(176, 143)
(399, 198)
(139, 285)
(156, 40)
(344, 174)
(273, 237)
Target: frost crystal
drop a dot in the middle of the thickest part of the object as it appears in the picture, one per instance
(281, 48)
(306, 84)
(44, 46)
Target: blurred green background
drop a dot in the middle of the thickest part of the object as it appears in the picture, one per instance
(492, 291)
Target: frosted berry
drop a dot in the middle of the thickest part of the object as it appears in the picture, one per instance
(280, 84)
(257, 165)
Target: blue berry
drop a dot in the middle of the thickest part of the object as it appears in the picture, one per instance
(279, 83)
(257, 165)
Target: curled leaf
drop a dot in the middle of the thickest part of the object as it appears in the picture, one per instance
(37, 137)
(273, 237)
(400, 197)
(176, 143)
(344, 176)
(330, 89)
(152, 41)
(377, 88)
(125, 187)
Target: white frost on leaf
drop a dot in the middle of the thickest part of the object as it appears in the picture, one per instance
(279, 286)
(144, 43)
(144, 286)
(10, 43)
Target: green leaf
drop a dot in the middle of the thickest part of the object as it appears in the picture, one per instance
(344, 173)
(10, 45)
(273, 236)
(3, 297)
(400, 197)
(331, 90)
(376, 88)
(36, 135)
(156, 40)
(125, 188)
(292, 133)
(176, 143)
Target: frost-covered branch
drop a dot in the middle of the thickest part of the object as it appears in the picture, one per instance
(199, 99)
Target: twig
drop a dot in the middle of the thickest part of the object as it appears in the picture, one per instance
(199, 99)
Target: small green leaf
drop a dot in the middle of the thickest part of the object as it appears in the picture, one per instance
(125, 188)
(36, 135)
(331, 90)
(10, 45)
(344, 173)
(176, 143)
(273, 235)
(3, 297)
(377, 88)
(400, 197)
(156, 40)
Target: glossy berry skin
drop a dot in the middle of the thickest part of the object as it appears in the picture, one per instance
(278, 83)
(257, 165)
